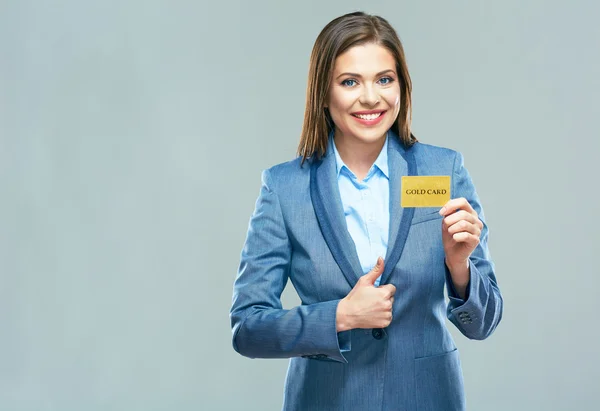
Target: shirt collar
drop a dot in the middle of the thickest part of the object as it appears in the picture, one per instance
(381, 162)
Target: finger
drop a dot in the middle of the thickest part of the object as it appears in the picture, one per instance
(467, 238)
(460, 215)
(389, 290)
(464, 226)
(375, 272)
(456, 204)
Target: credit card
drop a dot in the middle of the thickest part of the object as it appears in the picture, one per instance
(425, 191)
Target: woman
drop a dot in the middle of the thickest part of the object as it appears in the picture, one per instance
(370, 333)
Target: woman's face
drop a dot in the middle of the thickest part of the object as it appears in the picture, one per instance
(364, 95)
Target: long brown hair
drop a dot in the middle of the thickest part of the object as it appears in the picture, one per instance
(339, 35)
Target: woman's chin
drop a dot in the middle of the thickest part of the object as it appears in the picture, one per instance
(371, 135)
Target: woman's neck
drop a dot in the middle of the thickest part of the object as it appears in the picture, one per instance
(358, 156)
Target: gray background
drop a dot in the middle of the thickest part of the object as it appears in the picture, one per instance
(132, 137)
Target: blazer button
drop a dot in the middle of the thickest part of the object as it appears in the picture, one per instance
(377, 333)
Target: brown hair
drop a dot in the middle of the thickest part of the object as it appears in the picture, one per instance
(339, 35)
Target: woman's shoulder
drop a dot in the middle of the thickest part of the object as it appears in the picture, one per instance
(288, 173)
(293, 166)
(433, 157)
(420, 148)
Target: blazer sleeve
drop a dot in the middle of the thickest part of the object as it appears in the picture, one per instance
(261, 327)
(478, 315)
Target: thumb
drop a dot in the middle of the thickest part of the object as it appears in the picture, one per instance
(375, 272)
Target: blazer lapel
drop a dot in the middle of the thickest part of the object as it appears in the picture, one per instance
(327, 203)
(401, 162)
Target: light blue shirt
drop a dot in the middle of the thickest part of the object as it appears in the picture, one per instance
(366, 207)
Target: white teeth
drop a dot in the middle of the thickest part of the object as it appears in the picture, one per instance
(367, 116)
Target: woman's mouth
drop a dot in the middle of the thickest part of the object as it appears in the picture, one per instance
(369, 119)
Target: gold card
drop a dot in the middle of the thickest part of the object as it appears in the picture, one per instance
(425, 191)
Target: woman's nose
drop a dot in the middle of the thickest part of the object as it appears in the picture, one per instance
(369, 96)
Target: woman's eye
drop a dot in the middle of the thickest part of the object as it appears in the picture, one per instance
(348, 82)
(386, 80)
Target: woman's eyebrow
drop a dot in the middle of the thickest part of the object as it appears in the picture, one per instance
(358, 75)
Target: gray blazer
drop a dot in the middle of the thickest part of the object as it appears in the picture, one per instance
(298, 232)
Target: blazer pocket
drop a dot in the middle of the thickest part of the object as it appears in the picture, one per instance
(426, 216)
(439, 383)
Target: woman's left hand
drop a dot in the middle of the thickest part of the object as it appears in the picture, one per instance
(461, 229)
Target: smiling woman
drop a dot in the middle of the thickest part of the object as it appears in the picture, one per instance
(363, 106)
(370, 333)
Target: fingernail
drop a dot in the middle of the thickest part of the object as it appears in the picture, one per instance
(379, 259)
(442, 211)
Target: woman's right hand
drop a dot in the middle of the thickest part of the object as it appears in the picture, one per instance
(366, 306)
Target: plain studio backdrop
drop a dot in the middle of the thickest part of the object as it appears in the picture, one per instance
(132, 138)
